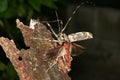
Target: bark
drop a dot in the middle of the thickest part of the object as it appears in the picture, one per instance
(39, 61)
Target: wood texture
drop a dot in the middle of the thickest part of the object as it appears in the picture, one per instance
(35, 63)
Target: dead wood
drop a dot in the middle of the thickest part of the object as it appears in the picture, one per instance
(35, 63)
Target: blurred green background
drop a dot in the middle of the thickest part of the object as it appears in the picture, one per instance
(101, 61)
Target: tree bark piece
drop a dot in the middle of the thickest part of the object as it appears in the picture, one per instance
(35, 63)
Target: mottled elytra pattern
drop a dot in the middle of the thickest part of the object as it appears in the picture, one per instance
(80, 36)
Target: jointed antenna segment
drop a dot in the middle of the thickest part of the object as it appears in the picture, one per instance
(52, 30)
(58, 20)
(70, 18)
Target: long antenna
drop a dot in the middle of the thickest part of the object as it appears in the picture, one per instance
(70, 18)
(57, 20)
(52, 30)
(73, 14)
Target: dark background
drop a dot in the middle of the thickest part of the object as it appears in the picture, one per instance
(101, 61)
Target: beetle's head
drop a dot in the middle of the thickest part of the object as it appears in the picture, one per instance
(62, 38)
